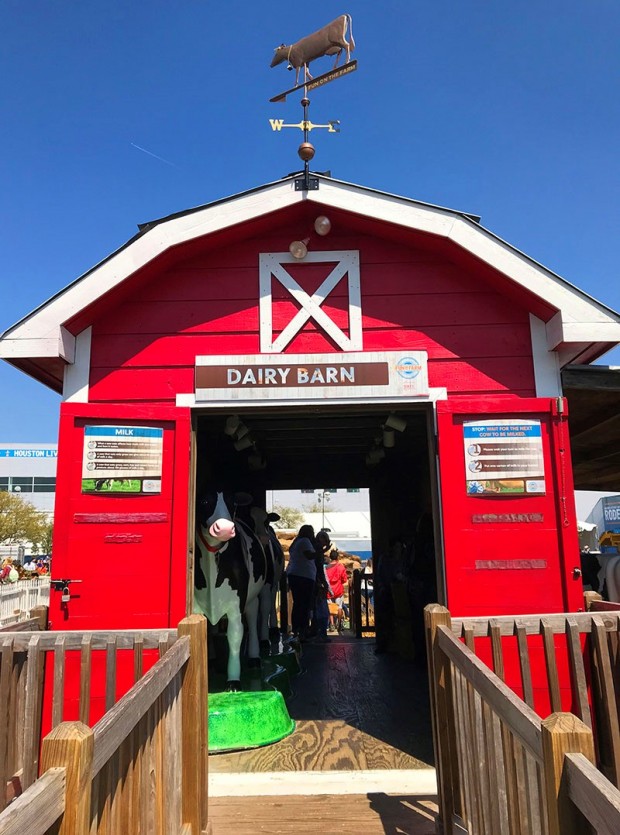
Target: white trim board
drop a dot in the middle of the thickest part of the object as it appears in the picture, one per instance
(188, 400)
(546, 362)
(413, 781)
(76, 384)
(272, 265)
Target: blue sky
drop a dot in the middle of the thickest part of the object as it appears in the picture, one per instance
(506, 110)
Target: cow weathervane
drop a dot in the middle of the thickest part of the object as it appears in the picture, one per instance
(329, 40)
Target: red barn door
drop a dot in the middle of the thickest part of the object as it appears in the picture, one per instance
(509, 527)
(128, 550)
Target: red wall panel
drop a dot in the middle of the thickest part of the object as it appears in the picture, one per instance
(478, 341)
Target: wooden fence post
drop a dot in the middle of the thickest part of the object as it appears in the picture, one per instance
(355, 602)
(41, 614)
(194, 694)
(70, 745)
(563, 733)
(589, 597)
(444, 736)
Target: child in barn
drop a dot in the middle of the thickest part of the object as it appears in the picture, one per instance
(337, 577)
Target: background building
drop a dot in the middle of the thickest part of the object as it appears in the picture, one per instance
(606, 517)
(29, 470)
(344, 511)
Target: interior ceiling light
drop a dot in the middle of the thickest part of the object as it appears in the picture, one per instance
(244, 443)
(395, 422)
(231, 425)
(241, 431)
(299, 249)
(322, 225)
(388, 438)
(374, 456)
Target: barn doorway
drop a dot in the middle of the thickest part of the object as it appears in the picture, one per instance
(367, 699)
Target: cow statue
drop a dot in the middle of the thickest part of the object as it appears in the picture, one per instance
(231, 568)
(268, 616)
(330, 40)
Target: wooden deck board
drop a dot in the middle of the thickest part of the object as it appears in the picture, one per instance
(354, 710)
(371, 814)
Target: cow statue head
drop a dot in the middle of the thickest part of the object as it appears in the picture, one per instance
(216, 513)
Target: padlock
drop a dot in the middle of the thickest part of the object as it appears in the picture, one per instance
(66, 596)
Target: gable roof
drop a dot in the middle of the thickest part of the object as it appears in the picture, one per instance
(580, 330)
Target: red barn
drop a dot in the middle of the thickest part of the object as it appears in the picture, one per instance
(410, 350)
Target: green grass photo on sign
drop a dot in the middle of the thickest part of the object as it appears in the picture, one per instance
(111, 485)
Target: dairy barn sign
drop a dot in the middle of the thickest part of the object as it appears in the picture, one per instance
(286, 376)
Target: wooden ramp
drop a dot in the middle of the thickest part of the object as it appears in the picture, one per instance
(359, 761)
(363, 814)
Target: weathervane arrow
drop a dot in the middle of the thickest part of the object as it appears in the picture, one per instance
(319, 81)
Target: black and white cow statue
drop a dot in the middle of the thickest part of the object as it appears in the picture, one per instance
(268, 616)
(231, 568)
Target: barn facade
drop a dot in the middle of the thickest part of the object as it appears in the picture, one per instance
(284, 338)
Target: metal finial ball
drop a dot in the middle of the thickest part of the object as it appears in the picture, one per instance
(306, 151)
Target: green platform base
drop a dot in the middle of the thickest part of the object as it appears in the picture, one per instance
(276, 671)
(247, 720)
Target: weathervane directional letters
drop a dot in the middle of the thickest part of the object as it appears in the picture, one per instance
(332, 125)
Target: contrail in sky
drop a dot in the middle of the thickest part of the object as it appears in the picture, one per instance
(151, 154)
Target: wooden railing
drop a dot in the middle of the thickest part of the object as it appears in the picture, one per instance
(501, 768)
(577, 674)
(361, 609)
(143, 766)
(94, 657)
(19, 681)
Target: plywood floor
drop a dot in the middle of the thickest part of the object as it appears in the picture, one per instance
(367, 814)
(354, 710)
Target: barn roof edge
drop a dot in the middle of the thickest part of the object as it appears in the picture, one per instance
(463, 229)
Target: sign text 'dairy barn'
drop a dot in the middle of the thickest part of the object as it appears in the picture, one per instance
(288, 376)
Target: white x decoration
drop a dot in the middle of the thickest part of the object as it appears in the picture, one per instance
(272, 265)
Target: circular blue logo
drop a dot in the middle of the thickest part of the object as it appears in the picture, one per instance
(408, 368)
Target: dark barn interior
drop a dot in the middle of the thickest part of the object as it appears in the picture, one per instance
(351, 704)
(593, 394)
(317, 446)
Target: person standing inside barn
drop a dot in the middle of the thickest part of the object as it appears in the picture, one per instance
(337, 578)
(322, 590)
(301, 574)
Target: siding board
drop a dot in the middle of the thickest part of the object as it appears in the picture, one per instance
(163, 384)
(441, 342)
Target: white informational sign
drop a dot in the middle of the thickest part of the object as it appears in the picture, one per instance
(122, 459)
(504, 457)
(265, 377)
